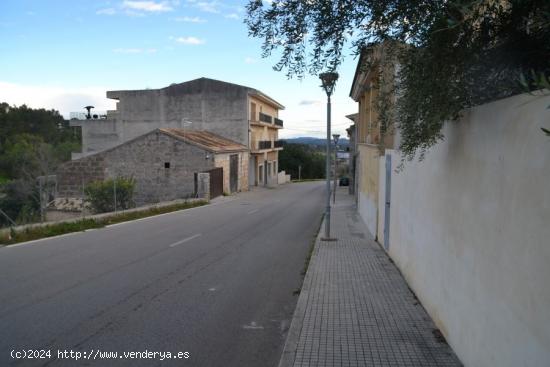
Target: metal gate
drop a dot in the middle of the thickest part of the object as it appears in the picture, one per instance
(216, 182)
(233, 172)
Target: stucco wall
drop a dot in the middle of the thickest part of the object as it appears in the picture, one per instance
(263, 107)
(222, 160)
(381, 197)
(367, 204)
(259, 133)
(470, 230)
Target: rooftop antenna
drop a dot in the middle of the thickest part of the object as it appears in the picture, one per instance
(89, 115)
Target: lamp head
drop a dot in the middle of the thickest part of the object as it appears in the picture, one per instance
(328, 81)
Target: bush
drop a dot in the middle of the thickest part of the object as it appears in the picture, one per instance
(101, 194)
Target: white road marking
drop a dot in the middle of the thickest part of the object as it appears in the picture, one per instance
(253, 211)
(185, 240)
(212, 289)
(253, 326)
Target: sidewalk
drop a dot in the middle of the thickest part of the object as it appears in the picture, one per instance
(355, 308)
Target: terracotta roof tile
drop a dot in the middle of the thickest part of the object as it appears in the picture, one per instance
(205, 139)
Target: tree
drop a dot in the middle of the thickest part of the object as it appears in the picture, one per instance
(293, 156)
(452, 54)
(33, 142)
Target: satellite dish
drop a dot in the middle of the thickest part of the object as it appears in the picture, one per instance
(88, 108)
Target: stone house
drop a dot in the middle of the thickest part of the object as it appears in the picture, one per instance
(163, 163)
(238, 113)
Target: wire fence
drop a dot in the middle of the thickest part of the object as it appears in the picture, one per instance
(51, 205)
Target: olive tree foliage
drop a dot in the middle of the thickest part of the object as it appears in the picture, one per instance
(452, 54)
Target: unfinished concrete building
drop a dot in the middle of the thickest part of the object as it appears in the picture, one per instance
(238, 113)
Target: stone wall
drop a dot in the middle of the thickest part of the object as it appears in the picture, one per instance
(163, 168)
(72, 176)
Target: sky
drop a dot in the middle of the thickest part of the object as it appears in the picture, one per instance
(65, 54)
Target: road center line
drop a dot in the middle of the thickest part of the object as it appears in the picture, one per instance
(185, 240)
(253, 211)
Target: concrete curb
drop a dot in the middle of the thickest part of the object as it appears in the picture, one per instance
(102, 215)
(6, 231)
(295, 330)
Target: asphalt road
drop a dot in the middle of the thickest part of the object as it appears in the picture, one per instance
(215, 281)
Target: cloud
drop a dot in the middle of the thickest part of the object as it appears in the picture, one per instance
(65, 100)
(106, 11)
(206, 6)
(232, 16)
(189, 40)
(149, 6)
(308, 102)
(250, 60)
(190, 19)
(134, 50)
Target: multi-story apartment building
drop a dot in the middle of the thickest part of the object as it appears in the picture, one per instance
(242, 114)
(264, 143)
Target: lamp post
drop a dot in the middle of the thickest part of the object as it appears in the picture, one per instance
(335, 137)
(328, 81)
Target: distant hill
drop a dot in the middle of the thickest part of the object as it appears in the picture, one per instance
(343, 142)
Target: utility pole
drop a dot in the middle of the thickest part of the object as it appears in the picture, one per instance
(299, 172)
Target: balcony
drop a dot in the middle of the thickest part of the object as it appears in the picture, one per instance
(264, 144)
(266, 118)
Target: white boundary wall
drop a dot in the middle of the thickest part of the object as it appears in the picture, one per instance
(470, 230)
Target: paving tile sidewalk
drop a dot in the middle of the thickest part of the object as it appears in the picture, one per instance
(355, 308)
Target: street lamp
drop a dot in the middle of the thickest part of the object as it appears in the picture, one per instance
(328, 81)
(335, 137)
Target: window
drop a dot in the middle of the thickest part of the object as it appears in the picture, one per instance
(166, 164)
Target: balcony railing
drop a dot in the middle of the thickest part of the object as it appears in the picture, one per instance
(278, 122)
(264, 144)
(278, 144)
(266, 118)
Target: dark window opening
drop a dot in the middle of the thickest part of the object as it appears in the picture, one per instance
(166, 164)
